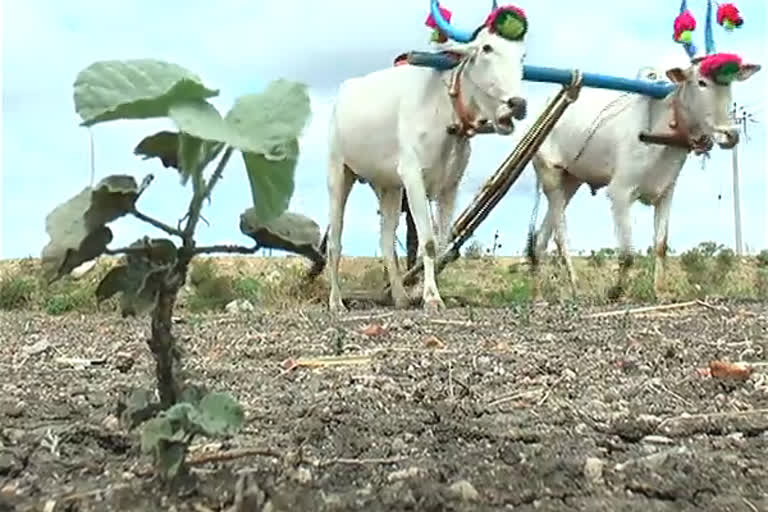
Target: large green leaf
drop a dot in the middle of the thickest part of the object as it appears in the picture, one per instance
(134, 89)
(271, 183)
(268, 122)
(290, 232)
(77, 227)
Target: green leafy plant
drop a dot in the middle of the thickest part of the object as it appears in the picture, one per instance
(168, 435)
(762, 259)
(264, 128)
(598, 258)
(707, 266)
(474, 250)
(16, 291)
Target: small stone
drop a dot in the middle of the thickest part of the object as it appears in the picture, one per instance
(81, 270)
(593, 469)
(8, 463)
(123, 361)
(239, 306)
(398, 445)
(111, 423)
(402, 474)
(16, 410)
(651, 439)
(464, 490)
(302, 476)
(97, 399)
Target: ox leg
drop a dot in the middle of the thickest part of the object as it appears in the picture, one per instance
(410, 173)
(390, 202)
(620, 196)
(569, 187)
(559, 193)
(446, 205)
(340, 182)
(661, 231)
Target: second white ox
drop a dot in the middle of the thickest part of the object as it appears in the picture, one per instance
(596, 142)
(389, 129)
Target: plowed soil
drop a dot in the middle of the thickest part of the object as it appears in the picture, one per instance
(551, 409)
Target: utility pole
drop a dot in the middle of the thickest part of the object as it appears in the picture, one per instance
(739, 115)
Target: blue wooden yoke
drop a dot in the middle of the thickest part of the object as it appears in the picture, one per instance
(563, 76)
(444, 61)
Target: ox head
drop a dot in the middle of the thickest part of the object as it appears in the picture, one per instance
(494, 56)
(705, 95)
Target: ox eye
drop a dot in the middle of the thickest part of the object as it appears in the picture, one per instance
(702, 83)
(487, 48)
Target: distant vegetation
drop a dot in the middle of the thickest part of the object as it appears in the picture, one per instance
(477, 278)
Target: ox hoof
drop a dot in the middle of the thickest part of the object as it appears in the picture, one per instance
(337, 307)
(433, 306)
(402, 302)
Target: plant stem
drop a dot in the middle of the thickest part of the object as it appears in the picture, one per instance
(231, 249)
(158, 224)
(196, 204)
(168, 366)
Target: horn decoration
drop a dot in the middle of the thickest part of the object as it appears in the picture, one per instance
(728, 16)
(445, 27)
(509, 22)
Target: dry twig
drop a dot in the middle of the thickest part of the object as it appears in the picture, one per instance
(646, 309)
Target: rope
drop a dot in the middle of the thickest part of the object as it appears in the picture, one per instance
(599, 120)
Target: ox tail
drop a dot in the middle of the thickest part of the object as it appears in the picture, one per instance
(530, 248)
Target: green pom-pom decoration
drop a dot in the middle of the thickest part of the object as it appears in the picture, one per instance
(686, 36)
(510, 26)
(727, 73)
(728, 25)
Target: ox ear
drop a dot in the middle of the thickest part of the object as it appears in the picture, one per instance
(677, 75)
(746, 71)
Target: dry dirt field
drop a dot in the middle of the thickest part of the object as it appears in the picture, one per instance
(544, 408)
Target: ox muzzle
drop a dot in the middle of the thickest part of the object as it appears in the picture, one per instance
(513, 108)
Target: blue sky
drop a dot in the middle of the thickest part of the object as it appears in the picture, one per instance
(239, 45)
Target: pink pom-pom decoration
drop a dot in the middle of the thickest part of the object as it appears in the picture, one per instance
(430, 22)
(728, 16)
(720, 67)
(685, 23)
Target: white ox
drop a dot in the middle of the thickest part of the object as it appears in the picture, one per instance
(596, 142)
(388, 128)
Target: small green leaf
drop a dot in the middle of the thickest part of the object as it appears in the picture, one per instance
(77, 227)
(273, 118)
(218, 414)
(271, 182)
(153, 431)
(134, 89)
(163, 145)
(290, 232)
(170, 458)
(140, 276)
(173, 148)
(179, 413)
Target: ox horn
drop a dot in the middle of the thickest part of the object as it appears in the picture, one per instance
(494, 5)
(446, 28)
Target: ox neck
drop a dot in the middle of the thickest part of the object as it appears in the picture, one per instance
(466, 110)
(665, 116)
